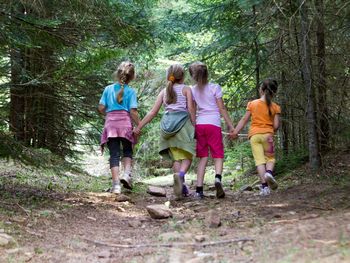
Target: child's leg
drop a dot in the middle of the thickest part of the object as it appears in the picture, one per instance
(269, 151)
(218, 163)
(127, 162)
(259, 156)
(261, 169)
(185, 165)
(201, 171)
(114, 150)
(270, 166)
(176, 166)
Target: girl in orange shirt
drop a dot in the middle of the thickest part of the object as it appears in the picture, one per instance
(264, 122)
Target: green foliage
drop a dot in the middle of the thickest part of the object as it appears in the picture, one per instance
(290, 162)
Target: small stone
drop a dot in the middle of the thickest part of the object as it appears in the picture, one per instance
(223, 233)
(122, 198)
(121, 209)
(104, 254)
(246, 188)
(200, 238)
(236, 214)
(13, 251)
(7, 241)
(159, 211)
(309, 216)
(292, 212)
(134, 223)
(156, 191)
(200, 209)
(214, 219)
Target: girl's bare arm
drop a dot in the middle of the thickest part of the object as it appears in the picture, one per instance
(102, 108)
(241, 123)
(151, 114)
(224, 114)
(135, 116)
(190, 104)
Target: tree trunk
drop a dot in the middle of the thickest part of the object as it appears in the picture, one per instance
(321, 78)
(314, 157)
(16, 96)
(256, 54)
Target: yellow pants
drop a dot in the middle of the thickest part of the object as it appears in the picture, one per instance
(263, 148)
(179, 154)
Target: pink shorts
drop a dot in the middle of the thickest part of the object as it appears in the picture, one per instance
(209, 137)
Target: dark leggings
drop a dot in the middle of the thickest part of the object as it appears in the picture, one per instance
(114, 150)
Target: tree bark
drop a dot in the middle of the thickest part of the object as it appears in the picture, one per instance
(314, 157)
(321, 77)
(256, 54)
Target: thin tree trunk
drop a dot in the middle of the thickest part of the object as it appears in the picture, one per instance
(314, 157)
(16, 96)
(256, 54)
(321, 80)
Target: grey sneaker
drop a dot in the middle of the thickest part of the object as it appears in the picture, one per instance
(177, 186)
(265, 191)
(271, 181)
(126, 181)
(219, 190)
(116, 189)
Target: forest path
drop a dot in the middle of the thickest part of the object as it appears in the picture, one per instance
(303, 221)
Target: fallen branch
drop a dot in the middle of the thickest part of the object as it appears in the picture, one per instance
(318, 207)
(21, 207)
(203, 244)
(18, 205)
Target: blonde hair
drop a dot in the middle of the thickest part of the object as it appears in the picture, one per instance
(124, 74)
(174, 74)
(199, 73)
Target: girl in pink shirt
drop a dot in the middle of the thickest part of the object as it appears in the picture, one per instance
(210, 108)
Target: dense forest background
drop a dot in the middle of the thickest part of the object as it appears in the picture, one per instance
(57, 56)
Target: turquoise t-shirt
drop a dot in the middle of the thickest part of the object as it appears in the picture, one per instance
(109, 98)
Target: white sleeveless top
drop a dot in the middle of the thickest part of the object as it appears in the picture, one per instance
(181, 100)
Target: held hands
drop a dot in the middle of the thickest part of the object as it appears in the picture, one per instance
(137, 131)
(232, 133)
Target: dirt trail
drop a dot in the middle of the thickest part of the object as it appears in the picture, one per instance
(302, 221)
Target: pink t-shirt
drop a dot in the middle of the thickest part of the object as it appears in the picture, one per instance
(207, 109)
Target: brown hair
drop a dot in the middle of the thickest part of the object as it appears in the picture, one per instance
(269, 87)
(174, 74)
(124, 74)
(199, 73)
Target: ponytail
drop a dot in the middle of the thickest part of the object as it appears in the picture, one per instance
(124, 74)
(170, 96)
(269, 87)
(175, 74)
(121, 92)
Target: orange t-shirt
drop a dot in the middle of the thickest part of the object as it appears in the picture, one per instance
(261, 121)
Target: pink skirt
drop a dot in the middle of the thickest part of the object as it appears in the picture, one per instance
(117, 124)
